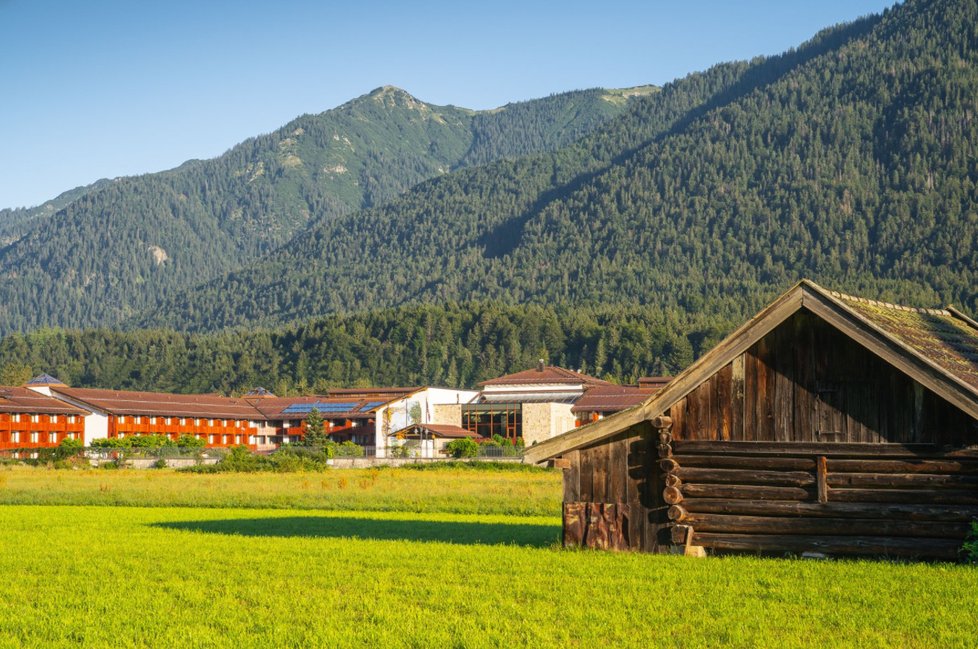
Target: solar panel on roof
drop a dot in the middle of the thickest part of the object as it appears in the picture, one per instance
(303, 408)
(371, 405)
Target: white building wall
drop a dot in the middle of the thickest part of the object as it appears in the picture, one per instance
(400, 410)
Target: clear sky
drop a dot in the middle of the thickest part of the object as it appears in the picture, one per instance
(105, 88)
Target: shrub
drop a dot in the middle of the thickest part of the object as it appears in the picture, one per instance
(465, 447)
(970, 548)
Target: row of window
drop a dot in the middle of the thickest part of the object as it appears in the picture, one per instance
(16, 418)
(17, 437)
(138, 419)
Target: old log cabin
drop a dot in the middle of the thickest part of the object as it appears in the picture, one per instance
(827, 423)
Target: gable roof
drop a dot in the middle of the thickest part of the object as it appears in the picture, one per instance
(938, 348)
(125, 402)
(545, 375)
(613, 398)
(446, 431)
(25, 400)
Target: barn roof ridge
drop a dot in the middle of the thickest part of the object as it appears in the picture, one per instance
(955, 378)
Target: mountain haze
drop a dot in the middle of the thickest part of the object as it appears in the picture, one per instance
(120, 246)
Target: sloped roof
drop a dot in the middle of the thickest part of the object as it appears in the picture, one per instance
(25, 400)
(944, 336)
(123, 402)
(437, 430)
(44, 379)
(547, 375)
(614, 398)
(329, 407)
(936, 347)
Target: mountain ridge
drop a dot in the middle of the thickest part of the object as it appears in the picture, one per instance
(209, 216)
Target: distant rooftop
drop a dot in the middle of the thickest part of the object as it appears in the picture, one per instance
(44, 379)
(545, 375)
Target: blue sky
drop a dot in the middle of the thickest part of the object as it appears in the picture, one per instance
(107, 88)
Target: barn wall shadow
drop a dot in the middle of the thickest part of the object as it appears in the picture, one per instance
(463, 533)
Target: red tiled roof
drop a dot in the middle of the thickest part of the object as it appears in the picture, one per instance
(120, 402)
(612, 398)
(25, 400)
(550, 375)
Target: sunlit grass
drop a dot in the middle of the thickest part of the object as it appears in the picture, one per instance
(160, 576)
(412, 558)
(449, 490)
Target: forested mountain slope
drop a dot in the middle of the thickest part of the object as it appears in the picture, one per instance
(15, 222)
(124, 244)
(852, 160)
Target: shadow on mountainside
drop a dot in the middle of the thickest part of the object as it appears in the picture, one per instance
(459, 532)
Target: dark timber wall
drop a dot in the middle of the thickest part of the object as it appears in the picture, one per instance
(806, 442)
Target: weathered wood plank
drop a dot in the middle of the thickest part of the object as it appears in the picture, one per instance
(766, 463)
(740, 524)
(821, 474)
(572, 477)
(737, 406)
(934, 496)
(944, 549)
(744, 477)
(901, 511)
(922, 451)
(722, 403)
(964, 467)
(748, 492)
(902, 480)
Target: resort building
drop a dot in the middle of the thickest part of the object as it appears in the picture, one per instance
(31, 420)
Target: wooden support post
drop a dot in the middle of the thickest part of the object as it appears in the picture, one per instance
(821, 471)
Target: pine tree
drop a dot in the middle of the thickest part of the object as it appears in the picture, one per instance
(315, 433)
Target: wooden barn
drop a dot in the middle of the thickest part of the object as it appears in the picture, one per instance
(828, 424)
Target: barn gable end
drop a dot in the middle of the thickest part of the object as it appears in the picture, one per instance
(827, 423)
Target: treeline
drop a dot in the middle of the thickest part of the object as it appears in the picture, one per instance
(115, 248)
(455, 345)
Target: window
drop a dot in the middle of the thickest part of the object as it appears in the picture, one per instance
(72, 419)
(224, 439)
(210, 439)
(35, 418)
(15, 418)
(52, 438)
(183, 421)
(122, 419)
(237, 439)
(15, 437)
(35, 437)
(169, 420)
(210, 422)
(488, 419)
(138, 419)
(152, 420)
(53, 419)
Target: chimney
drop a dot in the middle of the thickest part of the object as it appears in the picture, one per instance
(541, 365)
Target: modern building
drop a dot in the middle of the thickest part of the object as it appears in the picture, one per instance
(534, 404)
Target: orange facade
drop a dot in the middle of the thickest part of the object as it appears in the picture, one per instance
(34, 430)
(215, 432)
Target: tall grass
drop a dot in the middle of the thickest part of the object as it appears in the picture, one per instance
(175, 577)
(457, 489)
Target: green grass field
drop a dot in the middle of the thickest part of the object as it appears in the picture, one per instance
(100, 574)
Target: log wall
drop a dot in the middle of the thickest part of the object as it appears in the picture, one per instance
(852, 499)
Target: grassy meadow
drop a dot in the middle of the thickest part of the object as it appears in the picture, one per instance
(327, 571)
